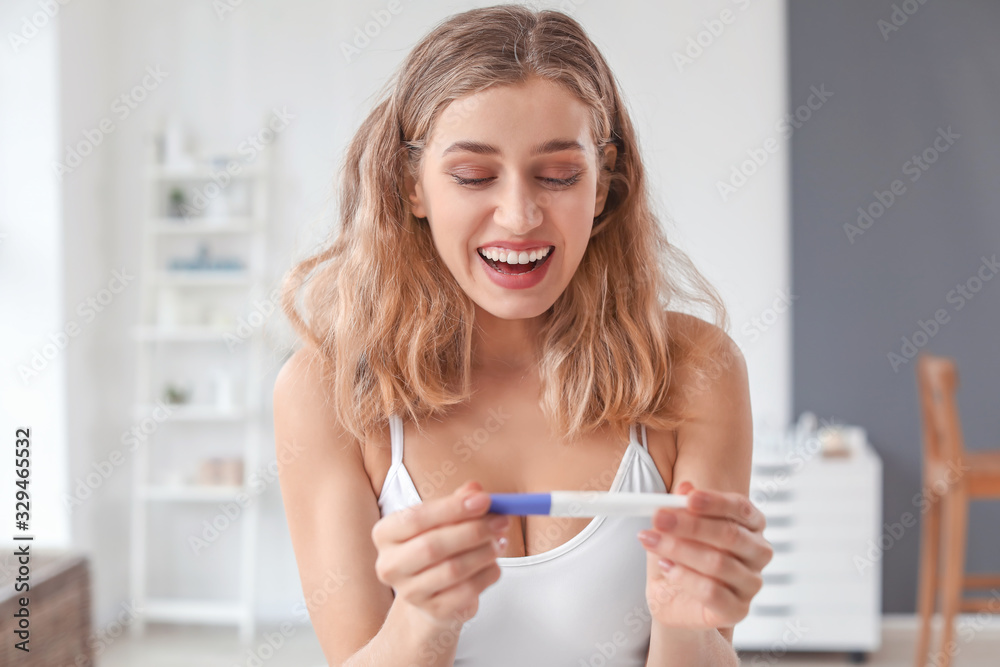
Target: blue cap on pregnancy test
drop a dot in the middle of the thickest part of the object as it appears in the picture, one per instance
(520, 503)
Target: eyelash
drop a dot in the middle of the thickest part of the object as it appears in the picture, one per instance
(561, 182)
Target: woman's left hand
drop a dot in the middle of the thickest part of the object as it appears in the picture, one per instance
(714, 553)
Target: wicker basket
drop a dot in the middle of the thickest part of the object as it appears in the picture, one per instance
(58, 607)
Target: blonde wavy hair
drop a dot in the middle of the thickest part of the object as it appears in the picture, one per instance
(396, 337)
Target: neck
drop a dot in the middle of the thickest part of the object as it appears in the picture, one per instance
(504, 346)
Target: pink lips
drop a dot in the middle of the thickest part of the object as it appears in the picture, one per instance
(517, 245)
(517, 281)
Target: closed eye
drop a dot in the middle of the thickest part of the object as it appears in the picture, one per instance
(558, 182)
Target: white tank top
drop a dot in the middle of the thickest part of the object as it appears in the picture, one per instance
(582, 604)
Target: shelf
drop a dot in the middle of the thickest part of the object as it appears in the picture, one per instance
(191, 493)
(224, 277)
(206, 225)
(195, 413)
(188, 344)
(186, 611)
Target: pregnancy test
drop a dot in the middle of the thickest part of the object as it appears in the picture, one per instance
(584, 503)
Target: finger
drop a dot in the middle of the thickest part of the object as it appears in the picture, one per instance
(721, 605)
(432, 547)
(454, 571)
(734, 506)
(724, 534)
(406, 523)
(470, 587)
(684, 487)
(710, 562)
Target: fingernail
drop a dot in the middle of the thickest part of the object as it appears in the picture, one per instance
(665, 564)
(649, 538)
(477, 501)
(500, 545)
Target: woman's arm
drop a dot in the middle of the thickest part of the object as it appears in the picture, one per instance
(331, 509)
(714, 451)
(677, 647)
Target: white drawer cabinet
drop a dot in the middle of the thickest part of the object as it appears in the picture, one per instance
(822, 591)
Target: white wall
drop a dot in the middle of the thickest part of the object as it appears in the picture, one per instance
(696, 121)
(34, 333)
(223, 75)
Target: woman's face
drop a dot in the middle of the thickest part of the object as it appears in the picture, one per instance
(511, 172)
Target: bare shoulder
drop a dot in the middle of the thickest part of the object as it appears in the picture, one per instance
(331, 510)
(300, 385)
(723, 366)
(698, 331)
(303, 416)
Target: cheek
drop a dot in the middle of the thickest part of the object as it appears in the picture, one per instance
(454, 219)
(576, 220)
(576, 205)
(448, 223)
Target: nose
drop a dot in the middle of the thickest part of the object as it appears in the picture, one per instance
(519, 209)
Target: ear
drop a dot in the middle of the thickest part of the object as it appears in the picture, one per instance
(603, 182)
(414, 195)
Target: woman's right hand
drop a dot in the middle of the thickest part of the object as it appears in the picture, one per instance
(440, 555)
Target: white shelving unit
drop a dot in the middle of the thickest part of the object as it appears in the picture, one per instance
(822, 590)
(167, 333)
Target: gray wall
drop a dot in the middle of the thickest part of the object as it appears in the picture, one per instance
(857, 300)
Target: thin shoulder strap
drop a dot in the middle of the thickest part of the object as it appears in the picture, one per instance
(396, 438)
(633, 435)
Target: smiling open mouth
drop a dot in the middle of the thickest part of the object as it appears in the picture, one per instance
(506, 268)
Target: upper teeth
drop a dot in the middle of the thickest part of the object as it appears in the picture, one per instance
(513, 256)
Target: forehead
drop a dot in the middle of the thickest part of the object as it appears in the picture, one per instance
(513, 119)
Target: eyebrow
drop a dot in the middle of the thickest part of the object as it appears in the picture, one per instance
(551, 146)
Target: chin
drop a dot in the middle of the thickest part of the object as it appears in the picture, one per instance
(513, 310)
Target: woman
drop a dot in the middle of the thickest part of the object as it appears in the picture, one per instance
(497, 298)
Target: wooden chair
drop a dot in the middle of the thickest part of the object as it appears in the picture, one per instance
(952, 477)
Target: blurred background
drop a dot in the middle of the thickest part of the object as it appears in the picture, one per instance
(831, 168)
